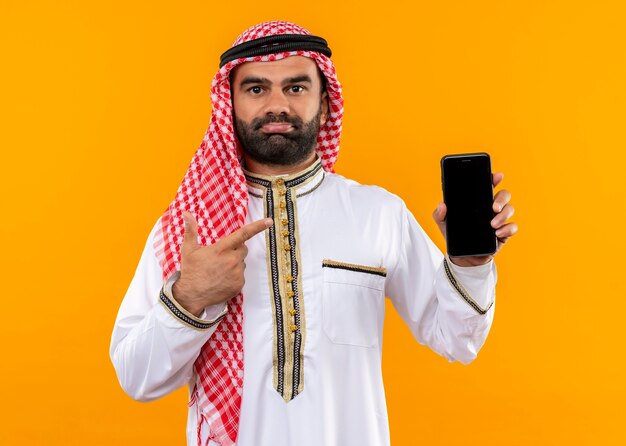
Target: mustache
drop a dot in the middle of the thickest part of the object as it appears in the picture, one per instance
(295, 121)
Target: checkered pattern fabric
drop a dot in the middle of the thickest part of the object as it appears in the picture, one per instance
(214, 190)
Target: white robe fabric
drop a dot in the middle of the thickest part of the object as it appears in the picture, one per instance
(342, 401)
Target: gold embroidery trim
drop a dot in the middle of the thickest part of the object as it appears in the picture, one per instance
(372, 269)
(270, 281)
(460, 289)
(280, 181)
(289, 278)
(285, 282)
(176, 310)
(314, 187)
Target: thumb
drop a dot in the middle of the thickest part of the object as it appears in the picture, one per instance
(439, 216)
(190, 237)
(440, 213)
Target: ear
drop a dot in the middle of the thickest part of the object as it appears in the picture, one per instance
(324, 108)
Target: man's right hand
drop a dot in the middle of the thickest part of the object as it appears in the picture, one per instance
(213, 274)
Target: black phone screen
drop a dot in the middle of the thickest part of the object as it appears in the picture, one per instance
(468, 195)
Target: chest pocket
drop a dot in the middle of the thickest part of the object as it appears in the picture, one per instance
(353, 303)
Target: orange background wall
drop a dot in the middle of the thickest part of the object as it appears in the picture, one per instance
(104, 103)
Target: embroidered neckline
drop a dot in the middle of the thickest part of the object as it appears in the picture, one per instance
(302, 183)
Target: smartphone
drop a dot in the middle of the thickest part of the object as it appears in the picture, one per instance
(467, 186)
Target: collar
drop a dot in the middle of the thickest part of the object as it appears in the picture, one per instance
(301, 183)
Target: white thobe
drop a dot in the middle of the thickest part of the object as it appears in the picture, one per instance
(352, 245)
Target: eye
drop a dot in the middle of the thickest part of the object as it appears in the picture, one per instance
(296, 89)
(255, 90)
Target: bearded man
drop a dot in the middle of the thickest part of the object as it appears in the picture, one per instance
(263, 285)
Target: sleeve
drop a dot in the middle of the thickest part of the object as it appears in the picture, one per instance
(155, 341)
(447, 307)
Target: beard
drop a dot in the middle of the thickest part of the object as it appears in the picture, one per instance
(278, 149)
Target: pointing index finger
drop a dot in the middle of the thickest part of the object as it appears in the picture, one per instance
(245, 233)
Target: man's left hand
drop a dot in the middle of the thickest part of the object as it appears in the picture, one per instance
(504, 230)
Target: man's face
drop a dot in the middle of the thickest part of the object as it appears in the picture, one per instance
(279, 107)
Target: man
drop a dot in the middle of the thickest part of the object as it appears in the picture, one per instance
(268, 299)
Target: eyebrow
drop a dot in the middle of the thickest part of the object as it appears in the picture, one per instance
(254, 80)
(264, 81)
(297, 79)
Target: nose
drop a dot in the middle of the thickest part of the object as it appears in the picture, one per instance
(277, 103)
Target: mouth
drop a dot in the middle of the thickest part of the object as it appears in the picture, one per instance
(277, 127)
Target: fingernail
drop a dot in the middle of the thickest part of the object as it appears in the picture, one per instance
(268, 222)
(499, 232)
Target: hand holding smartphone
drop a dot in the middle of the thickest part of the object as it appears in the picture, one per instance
(467, 186)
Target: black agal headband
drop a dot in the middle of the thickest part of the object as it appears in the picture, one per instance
(276, 44)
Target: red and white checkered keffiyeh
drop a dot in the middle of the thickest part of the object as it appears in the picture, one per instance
(214, 190)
